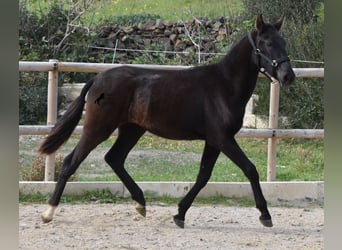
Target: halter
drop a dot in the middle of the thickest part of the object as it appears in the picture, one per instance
(274, 63)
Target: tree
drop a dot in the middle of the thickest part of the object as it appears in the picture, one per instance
(55, 31)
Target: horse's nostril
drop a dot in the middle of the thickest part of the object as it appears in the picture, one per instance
(289, 77)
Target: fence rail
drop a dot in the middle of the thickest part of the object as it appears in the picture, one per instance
(272, 133)
(243, 133)
(99, 67)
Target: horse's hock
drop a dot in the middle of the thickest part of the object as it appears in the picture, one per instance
(70, 91)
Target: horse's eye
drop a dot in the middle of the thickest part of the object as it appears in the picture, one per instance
(269, 44)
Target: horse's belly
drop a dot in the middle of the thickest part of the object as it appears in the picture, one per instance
(176, 134)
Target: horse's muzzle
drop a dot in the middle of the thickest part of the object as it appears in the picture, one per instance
(285, 75)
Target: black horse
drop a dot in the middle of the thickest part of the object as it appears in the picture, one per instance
(203, 102)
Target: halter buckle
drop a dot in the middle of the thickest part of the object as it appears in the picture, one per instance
(274, 63)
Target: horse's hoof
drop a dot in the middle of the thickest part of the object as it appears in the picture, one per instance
(45, 219)
(178, 222)
(141, 209)
(266, 222)
(48, 214)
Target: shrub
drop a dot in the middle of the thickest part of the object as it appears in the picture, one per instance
(39, 36)
(302, 11)
(32, 98)
(37, 170)
(126, 20)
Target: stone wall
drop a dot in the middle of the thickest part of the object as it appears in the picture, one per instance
(204, 35)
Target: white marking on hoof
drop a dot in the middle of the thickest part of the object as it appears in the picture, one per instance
(48, 214)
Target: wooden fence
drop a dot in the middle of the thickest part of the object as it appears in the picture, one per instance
(272, 133)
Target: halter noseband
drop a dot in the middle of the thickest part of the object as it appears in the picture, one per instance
(274, 63)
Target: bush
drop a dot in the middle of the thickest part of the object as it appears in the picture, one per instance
(39, 36)
(37, 171)
(32, 98)
(126, 20)
(301, 11)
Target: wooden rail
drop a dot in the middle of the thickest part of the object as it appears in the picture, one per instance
(243, 133)
(99, 67)
(273, 133)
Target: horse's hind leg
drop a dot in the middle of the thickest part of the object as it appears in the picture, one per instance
(234, 152)
(70, 165)
(129, 134)
(209, 158)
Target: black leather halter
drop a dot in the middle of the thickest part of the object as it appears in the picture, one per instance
(274, 62)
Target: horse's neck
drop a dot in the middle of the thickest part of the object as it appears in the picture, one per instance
(239, 70)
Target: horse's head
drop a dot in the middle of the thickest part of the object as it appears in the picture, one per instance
(271, 55)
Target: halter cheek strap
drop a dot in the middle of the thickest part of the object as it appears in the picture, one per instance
(274, 62)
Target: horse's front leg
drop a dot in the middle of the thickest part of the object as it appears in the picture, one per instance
(234, 152)
(209, 158)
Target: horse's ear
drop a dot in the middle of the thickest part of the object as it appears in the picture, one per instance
(279, 23)
(259, 22)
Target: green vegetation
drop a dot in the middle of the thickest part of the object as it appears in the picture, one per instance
(158, 159)
(98, 11)
(173, 10)
(105, 196)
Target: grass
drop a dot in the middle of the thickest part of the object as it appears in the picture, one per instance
(157, 159)
(105, 196)
(169, 10)
(172, 10)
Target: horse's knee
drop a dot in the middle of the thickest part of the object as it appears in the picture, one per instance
(113, 157)
(113, 162)
(202, 180)
(251, 173)
(108, 158)
(67, 168)
(66, 172)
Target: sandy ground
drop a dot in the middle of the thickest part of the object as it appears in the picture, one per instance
(118, 226)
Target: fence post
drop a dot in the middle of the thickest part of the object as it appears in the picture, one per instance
(273, 124)
(51, 116)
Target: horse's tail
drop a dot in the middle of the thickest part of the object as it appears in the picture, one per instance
(64, 127)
